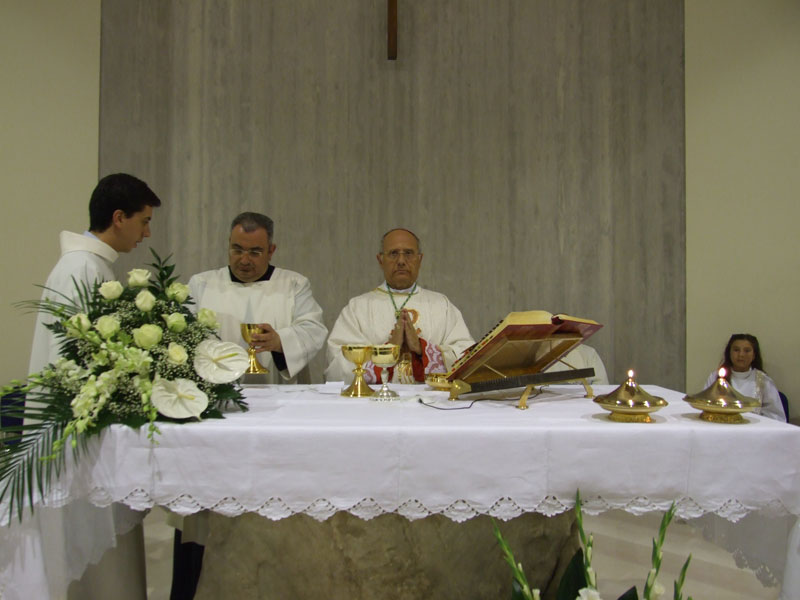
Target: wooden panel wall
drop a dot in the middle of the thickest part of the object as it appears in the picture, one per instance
(536, 147)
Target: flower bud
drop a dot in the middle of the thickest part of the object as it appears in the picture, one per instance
(178, 291)
(147, 336)
(138, 277)
(145, 301)
(107, 326)
(176, 354)
(111, 290)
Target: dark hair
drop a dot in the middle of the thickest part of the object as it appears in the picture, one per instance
(119, 191)
(757, 363)
(250, 221)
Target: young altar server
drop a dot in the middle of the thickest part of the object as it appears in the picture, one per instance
(744, 369)
(425, 324)
(120, 210)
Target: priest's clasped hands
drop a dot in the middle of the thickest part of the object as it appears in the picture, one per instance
(268, 340)
(405, 335)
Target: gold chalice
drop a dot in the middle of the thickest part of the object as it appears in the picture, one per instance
(358, 355)
(248, 329)
(385, 356)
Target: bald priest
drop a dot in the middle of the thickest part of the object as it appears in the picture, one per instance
(426, 325)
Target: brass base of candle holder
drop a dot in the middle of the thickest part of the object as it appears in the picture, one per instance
(714, 417)
(721, 403)
(629, 403)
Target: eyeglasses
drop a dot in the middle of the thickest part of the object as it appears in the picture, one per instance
(252, 252)
(395, 255)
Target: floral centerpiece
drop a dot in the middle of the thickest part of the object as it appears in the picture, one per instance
(579, 581)
(133, 355)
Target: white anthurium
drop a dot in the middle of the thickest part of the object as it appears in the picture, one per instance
(220, 362)
(178, 399)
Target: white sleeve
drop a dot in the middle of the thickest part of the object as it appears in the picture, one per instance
(306, 335)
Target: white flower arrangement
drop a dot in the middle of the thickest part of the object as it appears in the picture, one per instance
(132, 355)
(579, 581)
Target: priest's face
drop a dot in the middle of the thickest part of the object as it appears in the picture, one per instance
(249, 253)
(400, 259)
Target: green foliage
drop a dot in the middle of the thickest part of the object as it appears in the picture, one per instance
(579, 574)
(102, 377)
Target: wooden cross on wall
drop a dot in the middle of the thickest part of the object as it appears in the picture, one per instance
(392, 28)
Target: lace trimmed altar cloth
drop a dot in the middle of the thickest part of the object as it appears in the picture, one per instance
(307, 450)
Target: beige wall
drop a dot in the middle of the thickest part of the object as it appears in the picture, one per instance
(743, 183)
(49, 74)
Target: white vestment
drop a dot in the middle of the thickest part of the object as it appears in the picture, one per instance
(84, 259)
(284, 301)
(759, 385)
(583, 357)
(369, 319)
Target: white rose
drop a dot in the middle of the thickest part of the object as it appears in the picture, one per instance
(176, 354)
(178, 292)
(77, 325)
(207, 317)
(107, 326)
(145, 301)
(147, 336)
(138, 277)
(175, 322)
(111, 290)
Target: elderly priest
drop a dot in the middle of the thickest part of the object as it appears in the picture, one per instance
(426, 325)
(251, 290)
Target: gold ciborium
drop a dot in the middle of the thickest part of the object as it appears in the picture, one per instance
(720, 403)
(248, 329)
(385, 356)
(629, 403)
(358, 355)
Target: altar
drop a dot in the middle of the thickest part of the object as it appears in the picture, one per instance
(306, 450)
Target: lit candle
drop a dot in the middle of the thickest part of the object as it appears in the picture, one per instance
(722, 372)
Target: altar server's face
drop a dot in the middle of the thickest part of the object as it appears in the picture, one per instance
(249, 253)
(742, 355)
(129, 231)
(400, 259)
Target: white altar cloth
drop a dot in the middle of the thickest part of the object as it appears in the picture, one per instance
(305, 449)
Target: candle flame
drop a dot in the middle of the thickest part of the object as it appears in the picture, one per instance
(722, 373)
(630, 373)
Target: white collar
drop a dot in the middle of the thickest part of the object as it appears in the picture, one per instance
(88, 242)
(408, 290)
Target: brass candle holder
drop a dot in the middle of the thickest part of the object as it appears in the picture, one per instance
(720, 403)
(629, 403)
(255, 367)
(385, 356)
(358, 355)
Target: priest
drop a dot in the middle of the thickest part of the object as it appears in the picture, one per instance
(251, 290)
(428, 328)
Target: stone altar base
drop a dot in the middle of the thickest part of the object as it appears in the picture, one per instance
(386, 557)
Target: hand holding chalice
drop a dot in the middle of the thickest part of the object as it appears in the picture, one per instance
(248, 330)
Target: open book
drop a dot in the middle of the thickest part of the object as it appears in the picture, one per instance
(522, 343)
